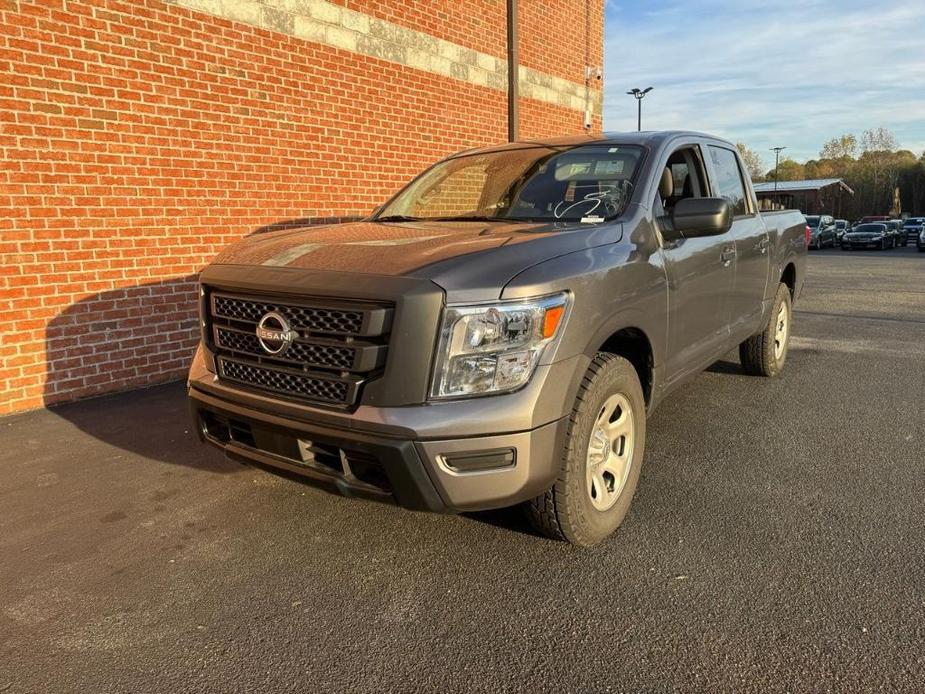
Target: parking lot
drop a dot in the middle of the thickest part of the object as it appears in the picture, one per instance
(775, 543)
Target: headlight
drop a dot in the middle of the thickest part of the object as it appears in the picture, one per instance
(494, 348)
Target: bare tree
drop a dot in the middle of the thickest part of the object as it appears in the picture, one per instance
(882, 166)
(879, 140)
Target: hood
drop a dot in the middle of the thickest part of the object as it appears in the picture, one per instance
(468, 258)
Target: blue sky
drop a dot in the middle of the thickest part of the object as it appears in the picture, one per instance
(768, 73)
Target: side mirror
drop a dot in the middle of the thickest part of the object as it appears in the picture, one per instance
(694, 217)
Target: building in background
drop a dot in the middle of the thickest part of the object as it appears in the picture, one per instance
(819, 196)
(138, 138)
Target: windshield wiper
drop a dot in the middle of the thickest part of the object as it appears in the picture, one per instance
(397, 218)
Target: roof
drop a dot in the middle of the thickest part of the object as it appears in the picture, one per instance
(646, 138)
(798, 186)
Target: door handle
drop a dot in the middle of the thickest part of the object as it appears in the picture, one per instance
(763, 244)
(728, 255)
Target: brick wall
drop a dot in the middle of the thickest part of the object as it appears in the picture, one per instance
(138, 138)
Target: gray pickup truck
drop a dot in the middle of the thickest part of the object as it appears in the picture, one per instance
(498, 332)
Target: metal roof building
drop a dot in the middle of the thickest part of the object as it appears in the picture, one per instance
(816, 196)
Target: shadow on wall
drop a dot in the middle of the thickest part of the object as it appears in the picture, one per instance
(130, 338)
(120, 340)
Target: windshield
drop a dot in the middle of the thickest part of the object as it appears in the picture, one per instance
(841, 224)
(870, 228)
(587, 183)
(913, 221)
(812, 221)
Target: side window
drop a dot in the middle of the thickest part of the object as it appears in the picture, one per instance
(729, 182)
(686, 168)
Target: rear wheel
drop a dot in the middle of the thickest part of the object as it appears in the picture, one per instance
(601, 459)
(764, 354)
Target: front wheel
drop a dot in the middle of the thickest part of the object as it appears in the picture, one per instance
(601, 459)
(764, 354)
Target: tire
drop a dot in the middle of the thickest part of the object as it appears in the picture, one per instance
(570, 510)
(883, 245)
(760, 354)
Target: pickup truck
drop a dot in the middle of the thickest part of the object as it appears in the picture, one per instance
(498, 332)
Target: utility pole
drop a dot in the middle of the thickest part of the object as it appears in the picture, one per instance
(777, 151)
(513, 72)
(639, 94)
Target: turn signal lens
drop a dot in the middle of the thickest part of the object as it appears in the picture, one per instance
(551, 320)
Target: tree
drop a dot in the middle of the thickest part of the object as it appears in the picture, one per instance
(789, 170)
(844, 147)
(879, 140)
(752, 161)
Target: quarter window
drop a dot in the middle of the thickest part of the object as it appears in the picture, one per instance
(729, 182)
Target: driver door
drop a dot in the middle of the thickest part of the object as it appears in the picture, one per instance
(700, 274)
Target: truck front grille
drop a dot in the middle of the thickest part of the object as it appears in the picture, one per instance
(337, 345)
(315, 319)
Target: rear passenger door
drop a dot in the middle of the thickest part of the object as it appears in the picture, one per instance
(750, 239)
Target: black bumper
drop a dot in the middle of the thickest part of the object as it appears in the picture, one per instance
(361, 465)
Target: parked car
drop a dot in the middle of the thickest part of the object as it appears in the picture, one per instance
(921, 241)
(913, 227)
(895, 229)
(498, 332)
(871, 235)
(841, 227)
(822, 231)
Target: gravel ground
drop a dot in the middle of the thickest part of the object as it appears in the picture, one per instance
(775, 544)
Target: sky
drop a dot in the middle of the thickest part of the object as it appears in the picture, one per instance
(768, 74)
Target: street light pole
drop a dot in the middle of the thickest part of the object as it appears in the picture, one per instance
(777, 151)
(639, 94)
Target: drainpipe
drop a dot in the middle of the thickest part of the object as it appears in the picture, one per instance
(513, 75)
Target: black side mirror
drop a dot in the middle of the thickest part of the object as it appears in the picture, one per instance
(694, 217)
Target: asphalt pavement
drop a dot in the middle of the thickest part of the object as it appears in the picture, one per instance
(775, 544)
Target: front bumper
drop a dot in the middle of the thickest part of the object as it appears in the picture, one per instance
(848, 243)
(418, 457)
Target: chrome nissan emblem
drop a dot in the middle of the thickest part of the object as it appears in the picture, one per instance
(274, 333)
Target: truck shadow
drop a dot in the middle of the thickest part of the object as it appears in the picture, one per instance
(724, 366)
(125, 339)
(512, 518)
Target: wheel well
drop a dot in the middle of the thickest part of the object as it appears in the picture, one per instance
(633, 345)
(789, 277)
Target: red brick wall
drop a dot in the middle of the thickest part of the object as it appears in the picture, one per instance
(138, 138)
(477, 24)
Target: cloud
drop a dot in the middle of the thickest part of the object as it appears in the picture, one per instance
(768, 73)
